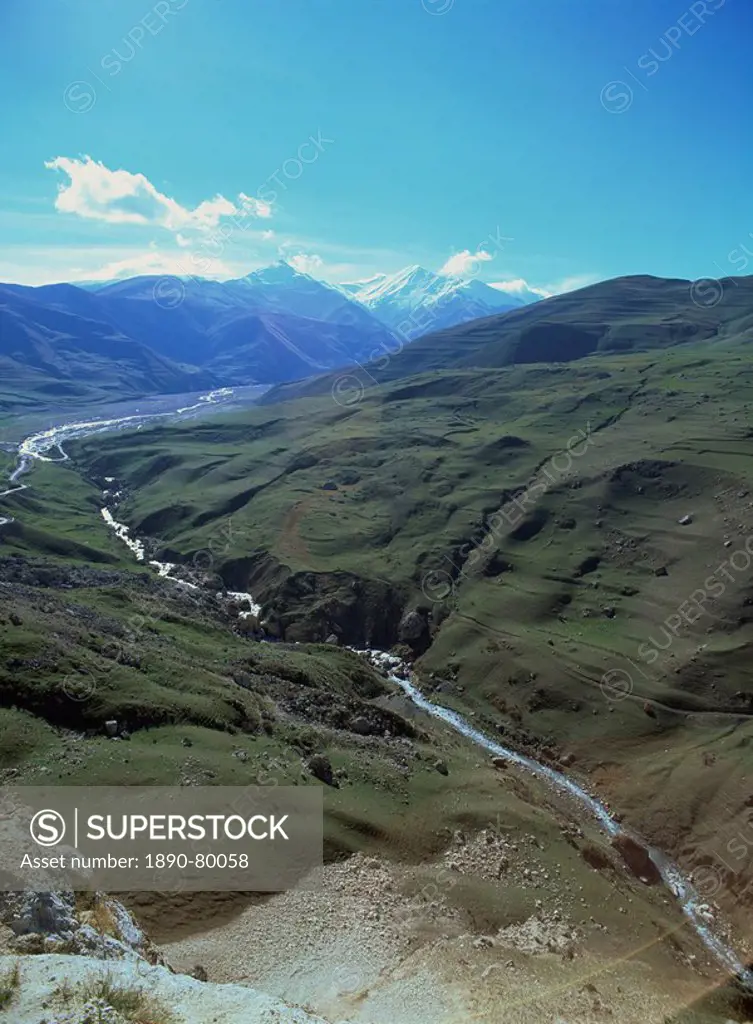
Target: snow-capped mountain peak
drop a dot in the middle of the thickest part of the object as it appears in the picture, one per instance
(416, 301)
(280, 272)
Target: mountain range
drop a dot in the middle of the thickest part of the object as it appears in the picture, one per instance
(635, 313)
(416, 301)
(168, 335)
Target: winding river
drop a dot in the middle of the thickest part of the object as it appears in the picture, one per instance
(38, 447)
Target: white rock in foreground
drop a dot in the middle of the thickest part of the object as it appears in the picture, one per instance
(191, 1001)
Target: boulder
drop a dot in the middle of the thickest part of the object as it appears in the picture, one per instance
(272, 627)
(413, 626)
(637, 859)
(361, 726)
(321, 768)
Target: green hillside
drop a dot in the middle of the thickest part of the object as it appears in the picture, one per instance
(554, 619)
(627, 314)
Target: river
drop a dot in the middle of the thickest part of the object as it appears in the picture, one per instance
(47, 445)
(38, 446)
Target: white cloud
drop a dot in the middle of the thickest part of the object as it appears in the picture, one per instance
(465, 263)
(573, 283)
(306, 263)
(256, 207)
(95, 192)
(520, 287)
(153, 261)
(267, 235)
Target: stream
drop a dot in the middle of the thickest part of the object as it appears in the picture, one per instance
(693, 906)
(42, 446)
(37, 447)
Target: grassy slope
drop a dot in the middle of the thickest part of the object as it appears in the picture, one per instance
(627, 314)
(428, 461)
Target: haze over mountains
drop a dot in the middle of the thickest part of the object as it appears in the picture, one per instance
(150, 334)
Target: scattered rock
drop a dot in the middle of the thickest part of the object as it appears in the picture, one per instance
(685, 521)
(111, 727)
(441, 767)
(661, 571)
(329, 485)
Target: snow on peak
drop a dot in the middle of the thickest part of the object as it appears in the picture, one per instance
(416, 300)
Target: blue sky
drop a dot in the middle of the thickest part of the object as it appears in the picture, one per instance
(563, 141)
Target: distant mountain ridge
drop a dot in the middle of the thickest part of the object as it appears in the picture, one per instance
(153, 334)
(49, 352)
(416, 301)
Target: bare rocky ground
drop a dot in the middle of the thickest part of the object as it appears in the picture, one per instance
(508, 924)
(58, 989)
(374, 943)
(375, 946)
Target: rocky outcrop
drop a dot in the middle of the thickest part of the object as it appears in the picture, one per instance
(413, 630)
(309, 607)
(93, 925)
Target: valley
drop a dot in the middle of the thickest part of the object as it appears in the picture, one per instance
(521, 549)
(376, 513)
